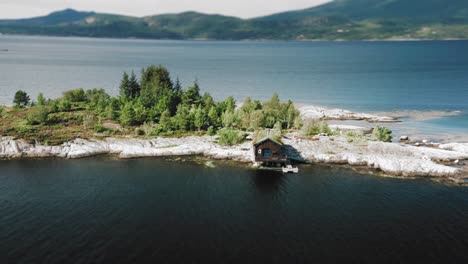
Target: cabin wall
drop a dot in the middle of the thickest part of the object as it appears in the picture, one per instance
(276, 151)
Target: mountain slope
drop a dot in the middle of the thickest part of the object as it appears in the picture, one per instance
(339, 19)
(428, 10)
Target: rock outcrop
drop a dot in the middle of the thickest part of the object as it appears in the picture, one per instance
(317, 112)
(126, 148)
(391, 158)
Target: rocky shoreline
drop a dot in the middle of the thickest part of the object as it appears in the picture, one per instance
(403, 159)
(397, 159)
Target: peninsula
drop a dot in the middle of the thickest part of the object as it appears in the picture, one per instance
(154, 116)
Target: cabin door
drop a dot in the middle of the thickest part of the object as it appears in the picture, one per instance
(266, 153)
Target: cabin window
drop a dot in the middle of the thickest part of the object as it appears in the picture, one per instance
(266, 152)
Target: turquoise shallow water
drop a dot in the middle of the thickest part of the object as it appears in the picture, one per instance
(102, 210)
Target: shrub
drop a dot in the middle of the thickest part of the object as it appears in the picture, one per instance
(53, 106)
(139, 131)
(77, 95)
(230, 137)
(99, 128)
(37, 115)
(383, 134)
(64, 105)
(148, 128)
(24, 130)
(211, 131)
(313, 127)
(2, 110)
(21, 99)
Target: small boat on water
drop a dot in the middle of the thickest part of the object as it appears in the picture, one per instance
(290, 169)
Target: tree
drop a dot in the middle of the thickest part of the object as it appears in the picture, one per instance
(155, 84)
(21, 99)
(133, 86)
(165, 123)
(200, 118)
(247, 105)
(192, 95)
(125, 86)
(207, 101)
(257, 105)
(140, 113)
(213, 117)
(272, 110)
(257, 120)
(127, 115)
(40, 99)
(156, 74)
(230, 104)
(182, 118)
(292, 115)
(112, 109)
(177, 86)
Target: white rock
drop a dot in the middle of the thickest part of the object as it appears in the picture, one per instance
(317, 112)
(458, 147)
(391, 158)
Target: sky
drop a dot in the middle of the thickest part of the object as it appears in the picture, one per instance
(239, 8)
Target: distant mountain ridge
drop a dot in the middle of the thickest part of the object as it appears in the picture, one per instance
(336, 20)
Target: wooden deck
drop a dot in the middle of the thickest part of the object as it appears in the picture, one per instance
(272, 158)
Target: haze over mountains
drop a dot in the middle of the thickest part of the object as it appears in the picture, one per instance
(340, 19)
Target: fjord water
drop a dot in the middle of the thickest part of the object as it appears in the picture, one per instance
(376, 76)
(103, 210)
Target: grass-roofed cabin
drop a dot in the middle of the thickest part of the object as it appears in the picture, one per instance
(269, 152)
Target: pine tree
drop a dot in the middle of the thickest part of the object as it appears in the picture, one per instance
(192, 95)
(125, 86)
(155, 84)
(40, 99)
(200, 118)
(165, 122)
(21, 99)
(127, 115)
(134, 86)
(230, 104)
(213, 117)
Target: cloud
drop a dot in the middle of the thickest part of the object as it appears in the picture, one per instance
(241, 8)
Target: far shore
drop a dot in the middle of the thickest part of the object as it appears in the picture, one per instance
(242, 40)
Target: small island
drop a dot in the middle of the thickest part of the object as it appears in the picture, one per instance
(153, 116)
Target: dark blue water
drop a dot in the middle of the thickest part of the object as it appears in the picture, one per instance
(376, 76)
(102, 210)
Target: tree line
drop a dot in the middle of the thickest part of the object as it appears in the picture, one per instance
(160, 106)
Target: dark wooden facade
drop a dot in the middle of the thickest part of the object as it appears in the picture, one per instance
(270, 151)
